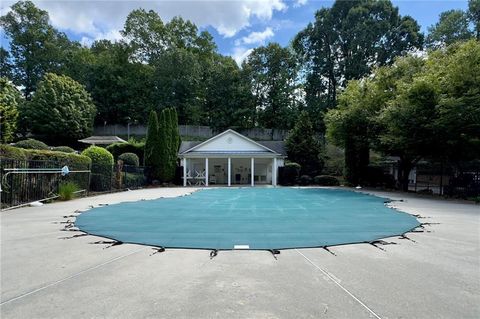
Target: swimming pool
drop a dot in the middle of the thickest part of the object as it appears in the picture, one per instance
(253, 218)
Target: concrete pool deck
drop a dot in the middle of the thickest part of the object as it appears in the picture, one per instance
(44, 276)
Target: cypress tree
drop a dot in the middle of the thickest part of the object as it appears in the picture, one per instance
(175, 131)
(163, 146)
(151, 156)
(172, 145)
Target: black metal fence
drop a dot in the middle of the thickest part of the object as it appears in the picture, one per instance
(460, 180)
(26, 181)
(108, 178)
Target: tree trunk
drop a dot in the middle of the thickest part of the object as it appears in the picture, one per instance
(404, 168)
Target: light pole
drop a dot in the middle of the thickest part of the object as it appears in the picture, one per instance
(128, 128)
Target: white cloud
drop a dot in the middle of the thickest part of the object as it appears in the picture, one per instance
(256, 37)
(240, 53)
(300, 3)
(91, 18)
(112, 35)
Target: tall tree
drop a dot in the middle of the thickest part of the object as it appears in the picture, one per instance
(176, 132)
(228, 101)
(474, 15)
(122, 89)
(303, 147)
(273, 74)
(164, 149)
(452, 26)
(174, 138)
(6, 65)
(35, 46)
(60, 104)
(456, 70)
(9, 100)
(352, 125)
(178, 84)
(153, 147)
(407, 126)
(151, 37)
(415, 109)
(171, 145)
(345, 42)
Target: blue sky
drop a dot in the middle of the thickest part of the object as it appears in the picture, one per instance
(237, 25)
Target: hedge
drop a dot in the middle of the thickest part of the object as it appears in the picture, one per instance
(65, 149)
(326, 180)
(289, 173)
(118, 149)
(32, 144)
(10, 152)
(102, 168)
(305, 180)
(73, 161)
(129, 159)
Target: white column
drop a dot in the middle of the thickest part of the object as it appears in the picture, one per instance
(229, 171)
(252, 164)
(274, 172)
(206, 171)
(184, 171)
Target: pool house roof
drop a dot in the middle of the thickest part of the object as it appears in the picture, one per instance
(231, 142)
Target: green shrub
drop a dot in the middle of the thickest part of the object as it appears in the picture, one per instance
(326, 180)
(65, 149)
(102, 168)
(10, 152)
(134, 180)
(32, 144)
(289, 173)
(117, 149)
(73, 161)
(305, 180)
(129, 159)
(67, 190)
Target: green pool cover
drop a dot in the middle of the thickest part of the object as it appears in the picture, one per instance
(253, 218)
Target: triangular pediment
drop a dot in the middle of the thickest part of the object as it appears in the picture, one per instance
(229, 141)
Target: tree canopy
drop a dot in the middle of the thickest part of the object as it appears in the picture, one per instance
(61, 110)
(417, 108)
(272, 72)
(9, 100)
(35, 46)
(453, 26)
(345, 42)
(303, 146)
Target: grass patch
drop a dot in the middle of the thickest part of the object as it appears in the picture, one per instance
(67, 190)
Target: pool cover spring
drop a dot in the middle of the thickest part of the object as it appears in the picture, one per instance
(253, 218)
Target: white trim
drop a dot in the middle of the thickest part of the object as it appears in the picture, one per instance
(184, 172)
(274, 171)
(252, 168)
(229, 172)
(206, 171)
(225, 155)
(223, 133)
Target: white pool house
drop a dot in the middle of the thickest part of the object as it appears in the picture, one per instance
(231, 158)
